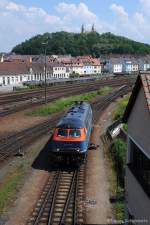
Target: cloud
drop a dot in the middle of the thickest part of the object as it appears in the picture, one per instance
(81, 11)
(120, 12)
(139, 18)
(19, 22)
(145, 6)
(136, 25)
(23, 22)
(29, 21)
(73, 15)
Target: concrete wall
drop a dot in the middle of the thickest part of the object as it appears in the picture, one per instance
(137, 201)
(139, 123)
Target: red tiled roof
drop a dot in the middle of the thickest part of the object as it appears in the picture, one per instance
(12, 68)
(144, 81)
(146, 85)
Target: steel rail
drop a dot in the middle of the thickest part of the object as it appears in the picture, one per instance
(38, 95)
(74, 179)
(21, 139)
(59, 205)
(50, 191)
(51, 210)
(74, 219)
(60, 93)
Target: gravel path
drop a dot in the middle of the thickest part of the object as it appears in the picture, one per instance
(28, 195)
(98, 207)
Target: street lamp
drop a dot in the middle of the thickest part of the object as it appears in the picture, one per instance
(45, 67)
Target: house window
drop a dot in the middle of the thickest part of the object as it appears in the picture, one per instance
(4, 81)
(140, 166)
(8, 80)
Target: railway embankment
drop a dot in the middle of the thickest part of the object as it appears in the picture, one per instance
(38, 165)
(98, 207)
(15, 102)
(21, 185)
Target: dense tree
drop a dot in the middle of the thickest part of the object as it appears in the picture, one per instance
(80, 44)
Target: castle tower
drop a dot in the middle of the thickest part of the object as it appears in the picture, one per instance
(82, 29)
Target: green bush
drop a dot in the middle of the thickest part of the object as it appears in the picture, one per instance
(74, 75)
(61, 104)
(104, 90)
(118, 153)
(120, 108)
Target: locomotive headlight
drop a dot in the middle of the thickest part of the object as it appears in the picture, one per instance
(57, 149)
(78, 150)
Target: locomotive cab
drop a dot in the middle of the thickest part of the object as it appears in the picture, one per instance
(71, 136)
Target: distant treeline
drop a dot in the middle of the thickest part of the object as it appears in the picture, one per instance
(76, 44)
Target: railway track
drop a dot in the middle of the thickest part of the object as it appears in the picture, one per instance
(17, 102)
(16, 96)
(62, 200)
(11, 145)
(100, 106)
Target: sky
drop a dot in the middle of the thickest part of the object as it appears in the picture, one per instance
(23, 19)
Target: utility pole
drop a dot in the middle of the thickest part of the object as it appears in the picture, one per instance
(45, 70)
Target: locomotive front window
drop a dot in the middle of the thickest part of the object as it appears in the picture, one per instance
(62, 133)
(74, 133)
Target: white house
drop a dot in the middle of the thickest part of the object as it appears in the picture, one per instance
(134, 67)
(131, 67)
(86, 66)
(146, 66)
(14, 73)
(117, 68)
(59, 71)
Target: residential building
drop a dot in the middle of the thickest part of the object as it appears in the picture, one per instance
(85, 65)
(59, 71)
(15, 74)
(117, 68)
(131, 66)
(125, 64)
(146, 66)
(137, 181)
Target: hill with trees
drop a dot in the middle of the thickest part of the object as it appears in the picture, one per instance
(81, 44)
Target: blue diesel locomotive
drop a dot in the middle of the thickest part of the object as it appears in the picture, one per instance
(71, 136)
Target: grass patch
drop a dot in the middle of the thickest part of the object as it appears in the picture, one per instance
(116, 153)
(10, 185)
(61, 104)
(120, 108)
(104, 90)
(27, 88)
(118, 158)
(119, 208)
(17, 173)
